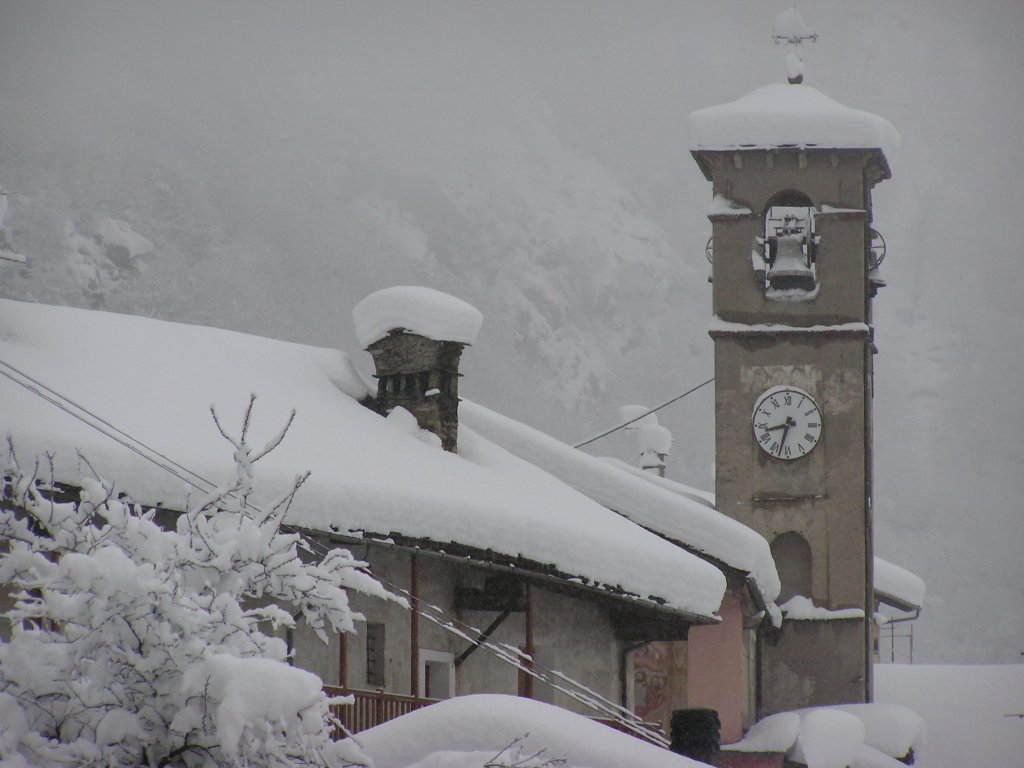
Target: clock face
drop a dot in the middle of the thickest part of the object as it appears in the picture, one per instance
(786, 422)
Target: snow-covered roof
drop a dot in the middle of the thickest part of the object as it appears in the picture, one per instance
(156, 381)
(425, 311)
(897, 586)
(790, 115)
(672, 512)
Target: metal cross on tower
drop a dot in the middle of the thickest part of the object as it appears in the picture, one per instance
(790, 28)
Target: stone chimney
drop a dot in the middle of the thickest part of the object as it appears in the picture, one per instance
(416, 337)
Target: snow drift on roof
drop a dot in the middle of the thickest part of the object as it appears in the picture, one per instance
(788, 115)
(673, 514)
(156, 381)
(895, 582)
(425, 311)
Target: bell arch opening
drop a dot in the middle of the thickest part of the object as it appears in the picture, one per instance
(785, 255)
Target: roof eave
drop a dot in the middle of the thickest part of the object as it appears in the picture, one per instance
(530, 570)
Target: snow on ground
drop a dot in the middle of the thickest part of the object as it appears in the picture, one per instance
(851, 735)
(787, 115)
(157, 380)
(442, 734)
(973, 713)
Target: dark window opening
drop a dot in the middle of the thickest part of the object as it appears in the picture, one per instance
(375, 654)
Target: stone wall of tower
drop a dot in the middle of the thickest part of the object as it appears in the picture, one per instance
(821, 496)
(839, 180)
(822, 345)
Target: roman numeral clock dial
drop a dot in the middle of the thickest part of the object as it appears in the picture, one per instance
(787, 423)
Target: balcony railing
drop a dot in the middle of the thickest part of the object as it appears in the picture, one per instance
(371, 708)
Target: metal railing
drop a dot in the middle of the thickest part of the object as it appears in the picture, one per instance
(371, 708)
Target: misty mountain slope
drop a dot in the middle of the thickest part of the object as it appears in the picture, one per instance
(432, 181)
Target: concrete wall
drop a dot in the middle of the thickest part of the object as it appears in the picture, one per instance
(572, 635)
(804, 669)
(716, 677)
(821, 496)
(842, 274)
(576, 637)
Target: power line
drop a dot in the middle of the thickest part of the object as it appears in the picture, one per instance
(617, 427)
(557, 680)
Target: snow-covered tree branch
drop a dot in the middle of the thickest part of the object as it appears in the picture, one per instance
(133, 645)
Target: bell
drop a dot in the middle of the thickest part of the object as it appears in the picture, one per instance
(790, 269)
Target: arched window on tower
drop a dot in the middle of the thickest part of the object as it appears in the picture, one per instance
(785, 256)
(792, 556)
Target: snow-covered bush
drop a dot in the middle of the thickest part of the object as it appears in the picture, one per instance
(135, 645)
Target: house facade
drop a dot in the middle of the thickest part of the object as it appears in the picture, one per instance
(511, 575)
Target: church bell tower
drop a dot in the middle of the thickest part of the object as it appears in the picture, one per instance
(794, 271)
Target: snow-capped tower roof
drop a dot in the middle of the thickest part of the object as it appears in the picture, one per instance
(791, 115)
(781, 115)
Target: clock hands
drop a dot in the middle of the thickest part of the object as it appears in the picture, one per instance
(784, 426)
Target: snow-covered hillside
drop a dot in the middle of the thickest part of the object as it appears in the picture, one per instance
(284, 164)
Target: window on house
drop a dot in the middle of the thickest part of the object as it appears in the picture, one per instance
(375, 654)
(437, 674)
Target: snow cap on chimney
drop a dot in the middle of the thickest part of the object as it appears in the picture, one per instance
(416, 336)
(415, 309)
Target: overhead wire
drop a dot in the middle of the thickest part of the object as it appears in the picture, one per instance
(513, 656)
(657, 408)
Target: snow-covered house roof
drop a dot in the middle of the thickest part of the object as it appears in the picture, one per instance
(783, 115)
(155, 381)
(897, 586)
(673, 510)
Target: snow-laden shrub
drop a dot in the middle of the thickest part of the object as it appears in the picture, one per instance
(134, 645)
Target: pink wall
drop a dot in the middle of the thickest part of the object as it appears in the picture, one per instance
(715, 675)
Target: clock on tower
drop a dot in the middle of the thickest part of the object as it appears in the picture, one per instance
(793, 276)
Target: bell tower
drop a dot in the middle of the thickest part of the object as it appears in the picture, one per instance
(794, 271)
